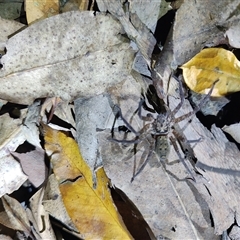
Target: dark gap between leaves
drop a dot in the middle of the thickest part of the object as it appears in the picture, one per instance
(12, 109)
(131, 216)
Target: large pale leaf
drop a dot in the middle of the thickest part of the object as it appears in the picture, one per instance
(91, 209)
(218, 165)
(173, 200)
(75, 54)
(210, 65)
(7, 28)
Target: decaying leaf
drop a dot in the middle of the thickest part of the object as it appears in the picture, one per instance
(73, 5)
(14, 215)
(53, 203)
(206, 25)
(233, 35)
(91, 209)
(33, 165)
(149, 11)
(38, 9)
(211, 107)
(12, 176)
(7, 27)
(210, 65)
(233, 130)
(217, 163)
(39, 217)
(11, 134)
(134, 28)
(174, 201)
(63, 56)
(30, 124)
(10, 9)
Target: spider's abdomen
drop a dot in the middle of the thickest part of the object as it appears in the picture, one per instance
(162, 148)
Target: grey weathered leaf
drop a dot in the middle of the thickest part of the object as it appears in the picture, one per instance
(39, 217)
(71, 55)
(217, 163)
(174, 201)
(233, 130)
(200, 23)
(14, 215)
(134, 27)
(233, 35)
(12, 176)
(149, 11)
(7, 27)
(33, 165)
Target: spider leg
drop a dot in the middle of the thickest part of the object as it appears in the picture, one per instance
(158, 83)
(196, 109)
(149, 116)
(141, 133)
(173, 141)
(184, 143)
(149, 155)
(177, 108)
(119, 115)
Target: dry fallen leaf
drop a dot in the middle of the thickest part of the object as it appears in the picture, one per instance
(12, 176)
(233, 35)
(217, 162)
(11, 134)
(53, 203)
(11, 9)
(62, 56)
(38, 9)
(133, 27)
(210, 65)
(33, 165)
(7, 28)
(174, 201)
(205, 25)
(73, 5)
(233, 130)
(39, 217)
(14, 216)
(91, 209)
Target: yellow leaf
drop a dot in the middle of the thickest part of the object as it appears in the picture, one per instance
(209, 65)
(40, 9)
(91, 210)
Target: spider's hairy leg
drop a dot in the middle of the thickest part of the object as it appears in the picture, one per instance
(177, 108)
(118, 114)
(149, 155)
(158, 83)
(197, 108)
(173, 141)
(149, 116)
(139, 135)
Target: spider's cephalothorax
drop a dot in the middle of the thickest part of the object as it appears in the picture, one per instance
(161, 125)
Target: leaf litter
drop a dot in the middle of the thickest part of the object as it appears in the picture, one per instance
(216, 171)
